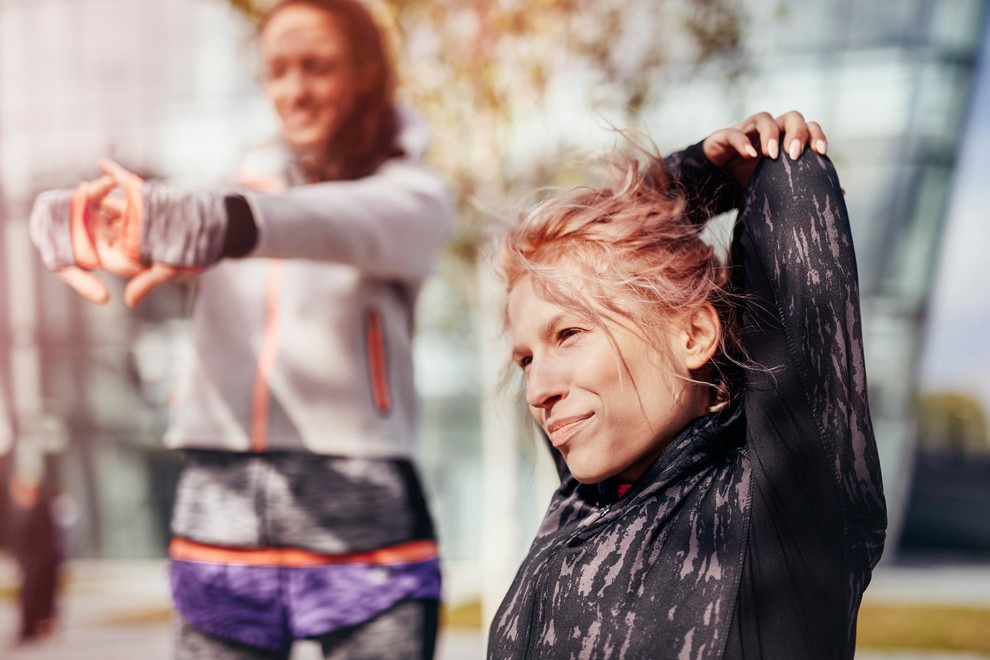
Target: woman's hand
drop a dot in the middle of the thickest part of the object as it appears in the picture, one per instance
(85, 283)
(106, 226)
(737, 149)
(143, 279)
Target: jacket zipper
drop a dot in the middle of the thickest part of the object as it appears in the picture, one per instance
(594, 517)
(539, 589)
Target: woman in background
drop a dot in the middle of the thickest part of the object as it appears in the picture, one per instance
(299, 512)
(720, 488)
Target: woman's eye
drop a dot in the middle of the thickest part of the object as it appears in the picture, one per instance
(524, 361)
(274, 70)
(566, 334)
(320, 67)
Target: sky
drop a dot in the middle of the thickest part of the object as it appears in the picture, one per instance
(956, 354)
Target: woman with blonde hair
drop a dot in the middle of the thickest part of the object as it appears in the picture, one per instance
(720, 490)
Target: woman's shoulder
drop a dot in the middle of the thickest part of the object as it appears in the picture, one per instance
(414, 134)
(264, 166)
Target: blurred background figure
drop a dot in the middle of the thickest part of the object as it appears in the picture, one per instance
(512, 90)
(299, 513)
(40, 517)
(38, 549)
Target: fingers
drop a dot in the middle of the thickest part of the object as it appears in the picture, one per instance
(105, 218)
(763, 125)
(114, 260)
(114, 206)
(86, 284)
(791, 129)
(105, 226)
(817, 139)
(119, 175)
(149, 279)
(795, 129)
(741, 143)
(98, 189)
(796, 134)
(724, 145)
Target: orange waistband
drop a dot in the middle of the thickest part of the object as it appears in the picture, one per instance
(186, 550)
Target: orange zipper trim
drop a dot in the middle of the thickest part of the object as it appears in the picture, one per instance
(260, 395)
(377, 363)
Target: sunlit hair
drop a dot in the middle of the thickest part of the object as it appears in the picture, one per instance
(626, 249)
(366, 139)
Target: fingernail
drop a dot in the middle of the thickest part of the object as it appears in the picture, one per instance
(773, 149)
(795, 150)
(751, 151)
(822, 147)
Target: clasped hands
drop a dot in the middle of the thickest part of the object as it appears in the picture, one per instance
(113, 224)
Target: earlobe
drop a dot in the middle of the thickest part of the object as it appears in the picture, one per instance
(702, 332)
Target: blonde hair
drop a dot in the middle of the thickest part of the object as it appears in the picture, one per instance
(627, 249)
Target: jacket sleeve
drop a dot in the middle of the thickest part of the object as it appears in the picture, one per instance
(817, 490)
(708, 189)
(803, 328)
(390, 224)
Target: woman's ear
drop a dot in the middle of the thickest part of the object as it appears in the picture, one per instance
(701, 334)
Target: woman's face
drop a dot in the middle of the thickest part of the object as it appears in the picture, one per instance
(609, 413)
(309, 74)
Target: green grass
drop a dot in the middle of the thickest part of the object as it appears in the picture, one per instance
(927, 627)
(462, 615)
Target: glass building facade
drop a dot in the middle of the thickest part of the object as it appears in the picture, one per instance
(892, 84)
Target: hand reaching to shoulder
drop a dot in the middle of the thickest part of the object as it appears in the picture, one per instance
(737, 149)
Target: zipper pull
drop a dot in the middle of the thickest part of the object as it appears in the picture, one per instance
(595, 516)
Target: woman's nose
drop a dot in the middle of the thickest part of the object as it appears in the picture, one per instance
(293, 86)
(545, 385)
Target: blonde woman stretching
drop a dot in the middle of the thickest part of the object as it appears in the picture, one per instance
(720, 488)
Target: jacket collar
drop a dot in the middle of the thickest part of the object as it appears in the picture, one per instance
(703, 441)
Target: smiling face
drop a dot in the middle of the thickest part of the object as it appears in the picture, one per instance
(310, 75)
(610, 409)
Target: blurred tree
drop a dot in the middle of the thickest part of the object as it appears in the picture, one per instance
(952, 422)
(482, 70)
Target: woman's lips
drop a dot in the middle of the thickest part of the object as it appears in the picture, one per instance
(299, 119)
(562, 430)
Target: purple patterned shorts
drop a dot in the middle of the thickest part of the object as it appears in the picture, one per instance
(270, 606)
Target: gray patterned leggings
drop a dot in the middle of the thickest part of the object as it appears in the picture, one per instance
(405, 632)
